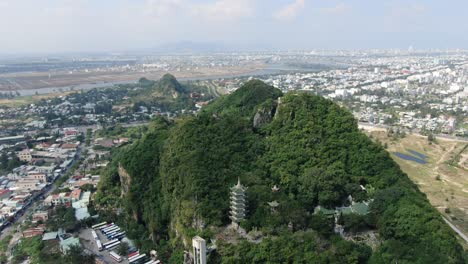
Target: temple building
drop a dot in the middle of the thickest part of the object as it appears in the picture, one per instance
(238, 208)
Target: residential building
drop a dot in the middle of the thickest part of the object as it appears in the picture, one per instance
(34, 231)
(25, 155)
(40, 216)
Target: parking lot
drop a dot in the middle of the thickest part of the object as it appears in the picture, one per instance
(89, 243)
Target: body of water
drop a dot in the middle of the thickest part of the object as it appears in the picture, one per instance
(410, 157)
(422, 156)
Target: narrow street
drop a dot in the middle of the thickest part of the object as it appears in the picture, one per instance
(458, 231)
(35, 201)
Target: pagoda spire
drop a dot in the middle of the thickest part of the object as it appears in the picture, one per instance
(238, 204)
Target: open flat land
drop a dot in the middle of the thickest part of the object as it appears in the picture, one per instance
(37, 80)
(30, 99)
(444, 178)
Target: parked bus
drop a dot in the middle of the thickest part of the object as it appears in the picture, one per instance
(99, 225)
(133, 254)
(110, 242)
(108, 228)
(112, 230)
(118, 235)
(99, 244)
(105, 226)
(112, 233)
(115, 256)
(94, 234)
(107, 231)
(136, 258)
(113, 245)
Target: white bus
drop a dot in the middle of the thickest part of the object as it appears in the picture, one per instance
(99, 244)
(110, 242)
(108, 227)
(105, 226)
(136, 258)
(99, 225)
(94, 234)
(118, 235)
(116, 228)
(115, 256)
(112, 230)
(113, 245)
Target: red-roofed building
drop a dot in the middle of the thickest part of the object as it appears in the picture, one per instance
(75, 195)
(78, 177)
(70, 132)
(43, 145)
(4, 193)
(69, 146)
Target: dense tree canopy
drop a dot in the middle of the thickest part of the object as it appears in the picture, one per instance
(180, 174)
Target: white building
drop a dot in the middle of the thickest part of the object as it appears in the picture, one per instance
(199, 250)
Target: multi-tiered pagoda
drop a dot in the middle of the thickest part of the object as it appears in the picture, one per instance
(238, 208)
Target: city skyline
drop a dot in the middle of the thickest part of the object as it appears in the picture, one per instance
(53, 26)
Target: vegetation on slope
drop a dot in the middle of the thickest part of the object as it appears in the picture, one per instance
(312, 149)
(167, 94)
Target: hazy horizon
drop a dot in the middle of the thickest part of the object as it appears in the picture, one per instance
(81, 26)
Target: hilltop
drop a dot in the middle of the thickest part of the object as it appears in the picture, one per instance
(168, 87)
(300, 157)
(168, 94)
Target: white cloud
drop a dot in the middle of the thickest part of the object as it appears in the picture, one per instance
(214, 10)
(224, 9)
(339, 9)
(290, 11)
(163, 8)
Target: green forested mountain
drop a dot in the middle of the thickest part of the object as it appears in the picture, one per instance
(174, 182)
(167, 94)
(168, 87)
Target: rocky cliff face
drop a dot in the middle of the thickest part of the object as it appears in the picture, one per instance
(125, 180)
(264, 115)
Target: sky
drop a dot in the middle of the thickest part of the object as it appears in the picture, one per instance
(57, 26)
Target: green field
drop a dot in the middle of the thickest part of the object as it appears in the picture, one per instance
(443, 181)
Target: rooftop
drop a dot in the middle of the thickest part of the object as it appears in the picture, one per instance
(50, 236)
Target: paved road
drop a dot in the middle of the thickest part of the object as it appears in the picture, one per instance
(459, 232)
(414, 132)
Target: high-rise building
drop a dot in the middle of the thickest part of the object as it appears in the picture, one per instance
(237, 213)
(199, 250)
